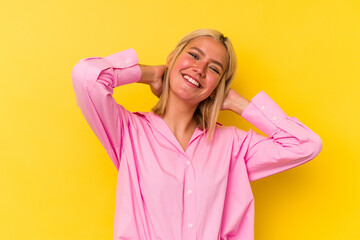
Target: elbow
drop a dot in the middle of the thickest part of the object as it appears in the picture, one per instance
(314, 147)
(318, 146)
(77, 74)
(80, 78)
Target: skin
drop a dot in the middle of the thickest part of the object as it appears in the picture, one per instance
(205, 60)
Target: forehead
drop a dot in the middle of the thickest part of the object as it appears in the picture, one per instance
(211, 48)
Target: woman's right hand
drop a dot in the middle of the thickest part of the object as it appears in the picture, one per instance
(153, 76)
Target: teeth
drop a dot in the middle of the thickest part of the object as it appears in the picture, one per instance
(196, 83)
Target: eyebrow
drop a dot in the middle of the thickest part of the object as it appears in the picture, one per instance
(213, 60)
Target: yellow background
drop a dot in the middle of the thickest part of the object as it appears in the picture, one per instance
(56, 180)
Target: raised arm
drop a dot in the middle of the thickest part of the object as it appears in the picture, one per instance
(93, 81)
(290, 142)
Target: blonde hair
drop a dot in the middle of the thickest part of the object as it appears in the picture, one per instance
(208, 110)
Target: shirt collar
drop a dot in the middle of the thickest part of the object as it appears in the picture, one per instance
(160, 125)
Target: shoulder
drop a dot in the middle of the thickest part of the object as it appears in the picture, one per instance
(141, 116)
(133, 118)
(227, 129)
(231, 132)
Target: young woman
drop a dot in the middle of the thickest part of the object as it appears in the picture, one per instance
(182, 175)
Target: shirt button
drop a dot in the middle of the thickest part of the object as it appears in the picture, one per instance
(190, 225)
(127, 61)
(190, 192)
(118, 64)
(262, 107)
(188, 162)
(274, 118)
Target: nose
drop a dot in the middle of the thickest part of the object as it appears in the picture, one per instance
(199, 68)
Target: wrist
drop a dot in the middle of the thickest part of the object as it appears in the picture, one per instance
(148, 74)
(238, 104)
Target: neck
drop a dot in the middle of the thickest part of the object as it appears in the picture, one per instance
(179, 116)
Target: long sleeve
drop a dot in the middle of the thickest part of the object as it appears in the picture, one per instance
(93, 81)
(290, 142)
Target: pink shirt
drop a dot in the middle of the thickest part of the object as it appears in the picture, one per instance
(164, 192)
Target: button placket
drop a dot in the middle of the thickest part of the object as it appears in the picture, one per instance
(189, 201)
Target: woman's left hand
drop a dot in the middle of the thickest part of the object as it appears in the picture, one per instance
(234, 102)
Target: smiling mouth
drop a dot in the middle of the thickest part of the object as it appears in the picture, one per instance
(192, 81)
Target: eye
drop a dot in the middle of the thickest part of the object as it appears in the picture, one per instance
(194, 55)
(215, 70)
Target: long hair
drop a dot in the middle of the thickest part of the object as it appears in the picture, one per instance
(207, 112)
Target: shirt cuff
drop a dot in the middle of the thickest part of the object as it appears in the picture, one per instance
(264, 113)
(125, 64)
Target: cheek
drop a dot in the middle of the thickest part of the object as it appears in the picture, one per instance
(183, 61)
(214, 82)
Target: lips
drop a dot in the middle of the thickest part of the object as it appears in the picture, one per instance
(192, 80)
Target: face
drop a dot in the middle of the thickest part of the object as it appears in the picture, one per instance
(198, 69)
